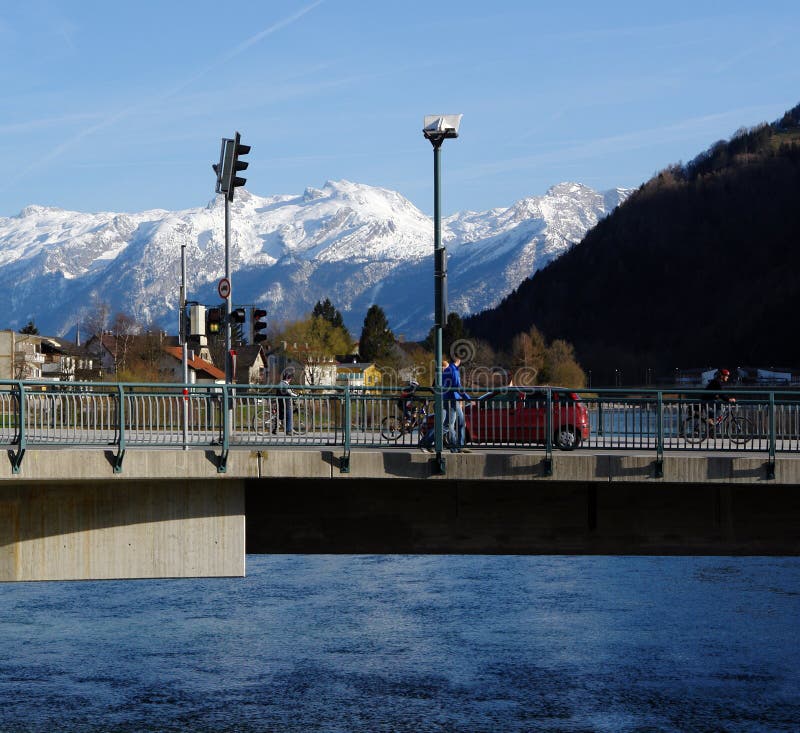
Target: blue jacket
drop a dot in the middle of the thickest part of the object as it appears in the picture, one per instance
(451, 383)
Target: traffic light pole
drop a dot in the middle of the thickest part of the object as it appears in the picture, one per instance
(227, 181)
(228, 300)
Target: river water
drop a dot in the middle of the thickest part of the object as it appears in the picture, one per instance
(412, 643)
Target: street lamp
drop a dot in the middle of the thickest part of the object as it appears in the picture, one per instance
(437, 128)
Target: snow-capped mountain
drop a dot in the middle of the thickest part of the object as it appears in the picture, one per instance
(352, 243)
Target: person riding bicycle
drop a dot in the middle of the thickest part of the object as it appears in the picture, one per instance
(715, 395)
(286, 393)
(408, 398)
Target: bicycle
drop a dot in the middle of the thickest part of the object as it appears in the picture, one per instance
(699, 426)
(266, 421)
(394, 427)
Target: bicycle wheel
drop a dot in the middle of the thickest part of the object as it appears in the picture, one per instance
(739, 430)
(301, 422)
(392, 428)
(264, 422)
(695, 429)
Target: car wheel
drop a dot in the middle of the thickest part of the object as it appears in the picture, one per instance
(567, 438)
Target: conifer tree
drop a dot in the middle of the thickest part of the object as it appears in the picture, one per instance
(325, 309)
(30, 329)
(377, 340)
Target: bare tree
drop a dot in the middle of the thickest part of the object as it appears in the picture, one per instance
(95, 322)
(124, 328)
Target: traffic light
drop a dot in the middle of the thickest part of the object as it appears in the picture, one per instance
(237, 315)
(229, 165)
(213, 320)
(238, 165)
(257, 325)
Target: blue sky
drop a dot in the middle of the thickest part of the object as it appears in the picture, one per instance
(121, 106)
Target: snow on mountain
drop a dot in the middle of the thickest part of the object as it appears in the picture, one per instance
(352, 243)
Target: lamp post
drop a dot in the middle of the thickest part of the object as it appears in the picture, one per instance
(437, 128)
(184, 347)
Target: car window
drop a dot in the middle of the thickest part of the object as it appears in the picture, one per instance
(498, 400)
(535, 399)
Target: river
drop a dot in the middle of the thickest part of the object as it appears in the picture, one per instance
(412, 643)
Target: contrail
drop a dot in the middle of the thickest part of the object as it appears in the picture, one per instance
(122, 114)
(269, 31)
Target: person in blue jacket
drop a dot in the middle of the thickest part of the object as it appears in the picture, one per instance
(454, 394)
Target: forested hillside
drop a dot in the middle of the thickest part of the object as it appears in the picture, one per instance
(698, 267)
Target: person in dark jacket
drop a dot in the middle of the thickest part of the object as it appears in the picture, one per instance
(714, 396)
(285, 401)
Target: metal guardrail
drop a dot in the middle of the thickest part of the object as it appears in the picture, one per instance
(121, 416)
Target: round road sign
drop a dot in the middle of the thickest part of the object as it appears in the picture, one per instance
(224, 288)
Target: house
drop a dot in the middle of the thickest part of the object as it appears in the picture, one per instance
(66, 361)
(309, 367)
(200, 371)
(361, 375)
(103, 349)
(251, 365)
(20, 355)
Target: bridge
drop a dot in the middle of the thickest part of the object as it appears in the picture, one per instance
(155, 480)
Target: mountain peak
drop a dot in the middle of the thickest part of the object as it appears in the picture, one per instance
(351, 242)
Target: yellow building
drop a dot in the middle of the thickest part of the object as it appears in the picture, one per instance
(362, 375)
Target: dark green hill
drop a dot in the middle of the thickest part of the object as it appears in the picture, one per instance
(701, 266)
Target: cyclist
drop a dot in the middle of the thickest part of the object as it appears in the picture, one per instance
(407, 399)
(715, 395)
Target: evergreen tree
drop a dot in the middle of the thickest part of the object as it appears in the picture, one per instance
(452, 332)
(325, 309)
(377, 341)
(30, 329)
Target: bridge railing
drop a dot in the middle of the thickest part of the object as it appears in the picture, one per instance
(169, 415)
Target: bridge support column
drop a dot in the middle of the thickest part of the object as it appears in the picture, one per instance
(121, 529)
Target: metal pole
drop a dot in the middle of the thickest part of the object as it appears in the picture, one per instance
(228, 364)
(439, 295)
(228, 405)
(185, 350)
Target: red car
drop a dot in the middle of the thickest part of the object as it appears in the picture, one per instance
(519, 416)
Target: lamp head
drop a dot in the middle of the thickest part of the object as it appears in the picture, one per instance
(440, 127)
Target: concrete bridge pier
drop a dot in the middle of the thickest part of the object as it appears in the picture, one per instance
(169, 515)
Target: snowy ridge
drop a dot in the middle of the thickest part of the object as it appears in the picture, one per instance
(353, 243)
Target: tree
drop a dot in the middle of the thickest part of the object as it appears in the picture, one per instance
(481, 370)
(30, 329)
(143, 357)
(95, 321)
(528, 356)
(452, 332)
(124, 327)
(421, 365)
(377, 341)
(324, 309)
(561, 366)
(313, 343)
